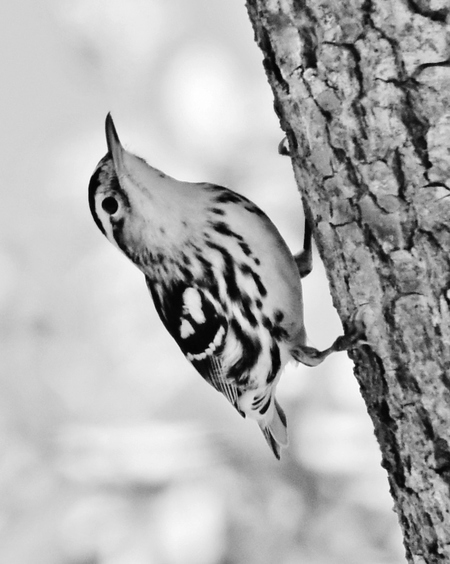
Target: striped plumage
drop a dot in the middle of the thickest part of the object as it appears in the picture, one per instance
(223, 280)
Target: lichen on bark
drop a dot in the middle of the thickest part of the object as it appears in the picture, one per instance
(362, 90)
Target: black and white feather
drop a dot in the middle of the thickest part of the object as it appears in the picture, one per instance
(223, 280)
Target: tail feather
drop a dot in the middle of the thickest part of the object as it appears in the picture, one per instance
(271, 441)
(275, 432)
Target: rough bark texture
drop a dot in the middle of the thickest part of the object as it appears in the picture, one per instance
(362, 89)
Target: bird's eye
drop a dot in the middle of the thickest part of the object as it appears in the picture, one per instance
(110, 205)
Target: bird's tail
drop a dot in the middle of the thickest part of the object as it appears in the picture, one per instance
(275, 431)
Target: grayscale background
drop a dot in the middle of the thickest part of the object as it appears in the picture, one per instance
(113, 450)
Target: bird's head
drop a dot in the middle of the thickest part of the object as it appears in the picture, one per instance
(130, 201)
(108, 201)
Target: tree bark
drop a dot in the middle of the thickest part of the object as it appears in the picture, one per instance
(362, 90)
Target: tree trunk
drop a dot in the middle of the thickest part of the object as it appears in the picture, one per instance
(362, 90)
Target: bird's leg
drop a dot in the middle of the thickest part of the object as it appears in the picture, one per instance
(304, 259)
(354, 337)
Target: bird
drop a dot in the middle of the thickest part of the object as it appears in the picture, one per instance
(223, 280)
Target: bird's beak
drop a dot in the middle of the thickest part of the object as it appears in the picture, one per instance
(113, 142)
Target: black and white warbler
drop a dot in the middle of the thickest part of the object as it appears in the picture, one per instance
(223, 280)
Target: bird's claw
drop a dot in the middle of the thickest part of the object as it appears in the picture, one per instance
(355, 335)
(283, 148)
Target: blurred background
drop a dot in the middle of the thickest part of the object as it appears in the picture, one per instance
(113, 450)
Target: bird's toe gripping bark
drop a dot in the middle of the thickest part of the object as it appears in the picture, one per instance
(354, 337)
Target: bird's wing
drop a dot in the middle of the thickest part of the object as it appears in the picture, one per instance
(199, 330)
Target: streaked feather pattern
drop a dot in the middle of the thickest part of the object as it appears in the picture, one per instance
(223, 280)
